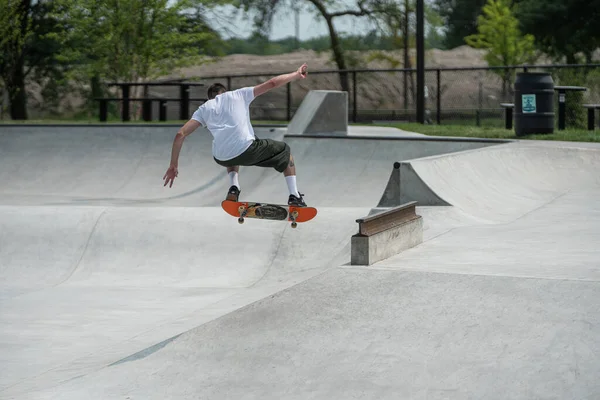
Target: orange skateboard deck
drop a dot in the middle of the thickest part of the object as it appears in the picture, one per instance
(274, 212)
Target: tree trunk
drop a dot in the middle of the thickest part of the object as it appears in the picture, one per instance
(16, 92)
(338, 53)
(406, 52)
(14, 65)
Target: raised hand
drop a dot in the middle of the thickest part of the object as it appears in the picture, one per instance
(170, 176)
(302, 70)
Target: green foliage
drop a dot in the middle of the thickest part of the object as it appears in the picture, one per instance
(131, 40)
(570, 134)
(28, 54)
(563, 29)
(15, 31)
(258, 44)
(498, 32)
(576, 115)
(460, 19)
(434, 21)
(15, 27)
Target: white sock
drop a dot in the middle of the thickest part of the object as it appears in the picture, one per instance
(291, 182)
(233, 177)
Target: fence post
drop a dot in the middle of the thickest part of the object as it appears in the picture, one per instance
(439, 96)
(289, 101)
(147, 110)
(184, 95)
(480, 105)
(405, 72)
(162, 110)
(354, 97)
(103, 110)
(125, 110)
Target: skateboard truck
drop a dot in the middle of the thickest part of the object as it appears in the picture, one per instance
(293, 216)
(243, 211)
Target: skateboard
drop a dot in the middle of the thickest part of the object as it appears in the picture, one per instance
(274, 212)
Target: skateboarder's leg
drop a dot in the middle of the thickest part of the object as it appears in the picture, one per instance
(290, 178)
(268, 153)
(233, 173)
(234, 189)
(290, 170)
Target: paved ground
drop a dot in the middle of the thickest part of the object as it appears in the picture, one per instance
(114, 287)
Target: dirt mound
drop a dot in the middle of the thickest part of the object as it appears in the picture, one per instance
(238, 64)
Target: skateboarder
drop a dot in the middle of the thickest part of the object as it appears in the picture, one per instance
(226, 115)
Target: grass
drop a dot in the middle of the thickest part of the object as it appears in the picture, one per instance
(569, 135)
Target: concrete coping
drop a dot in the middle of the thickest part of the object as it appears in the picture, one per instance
(388, 219)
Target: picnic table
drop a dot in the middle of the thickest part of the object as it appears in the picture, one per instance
(562, 106)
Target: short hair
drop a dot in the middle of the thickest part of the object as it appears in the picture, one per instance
(215, 89)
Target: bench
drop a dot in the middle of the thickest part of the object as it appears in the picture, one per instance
(146, 106)
(592, 115)
(386, 233)
(508, 114)
(184, 99)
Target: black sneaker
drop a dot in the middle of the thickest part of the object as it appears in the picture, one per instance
(233, 194)
(296, 201)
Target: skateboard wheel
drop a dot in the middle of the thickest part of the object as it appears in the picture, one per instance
(294, 224)
(241, 220)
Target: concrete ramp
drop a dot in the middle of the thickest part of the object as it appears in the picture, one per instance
(123, 166)
(405, 185)
(500, 183)
(93, 285)
(323, 112)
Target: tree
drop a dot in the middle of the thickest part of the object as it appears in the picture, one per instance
(460, 18)
(563, 29)
(15, 31)
(499, 34)
(30, 53)
(265, 10)
(132, 40)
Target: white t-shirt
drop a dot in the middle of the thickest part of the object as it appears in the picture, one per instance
(227, 117)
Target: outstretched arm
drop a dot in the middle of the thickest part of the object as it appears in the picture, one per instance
(280, 80)
(185, 131)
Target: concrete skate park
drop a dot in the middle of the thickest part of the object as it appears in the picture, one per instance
(115, 287)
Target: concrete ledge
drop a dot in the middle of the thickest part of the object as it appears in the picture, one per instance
(385, 234)
(321, 112)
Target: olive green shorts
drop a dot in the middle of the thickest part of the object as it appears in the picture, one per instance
(267, 153)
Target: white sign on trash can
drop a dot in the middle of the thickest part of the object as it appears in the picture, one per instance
(528, 103)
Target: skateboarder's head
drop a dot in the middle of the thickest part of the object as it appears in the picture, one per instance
(215, 89)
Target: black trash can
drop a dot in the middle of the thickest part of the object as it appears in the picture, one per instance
(534, 103)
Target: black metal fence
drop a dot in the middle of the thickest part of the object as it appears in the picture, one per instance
(453, 95)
